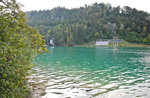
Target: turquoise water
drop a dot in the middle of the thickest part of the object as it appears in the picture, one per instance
(98, 72)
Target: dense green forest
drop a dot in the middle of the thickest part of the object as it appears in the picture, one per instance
(88, 23)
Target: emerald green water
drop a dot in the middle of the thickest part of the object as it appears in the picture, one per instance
(98, 72)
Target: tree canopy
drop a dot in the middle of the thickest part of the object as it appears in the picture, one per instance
(18, 45)
(91, 22)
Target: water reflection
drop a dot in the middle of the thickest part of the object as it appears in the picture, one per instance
(92, 73)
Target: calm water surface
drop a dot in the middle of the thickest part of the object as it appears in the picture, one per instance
(80, 72)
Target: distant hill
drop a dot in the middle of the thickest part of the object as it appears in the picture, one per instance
(97, 21)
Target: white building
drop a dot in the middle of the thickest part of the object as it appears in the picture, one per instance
(51, 42)
(102, 42)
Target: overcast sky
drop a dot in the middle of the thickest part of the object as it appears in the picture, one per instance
(49, 4)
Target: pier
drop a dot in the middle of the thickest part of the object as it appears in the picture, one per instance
(105, 42)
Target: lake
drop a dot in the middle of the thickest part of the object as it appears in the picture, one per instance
(93, 72)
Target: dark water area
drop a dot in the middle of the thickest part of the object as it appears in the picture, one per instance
(97, 72)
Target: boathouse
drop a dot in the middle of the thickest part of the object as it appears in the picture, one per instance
(51, 42)
(102, 42)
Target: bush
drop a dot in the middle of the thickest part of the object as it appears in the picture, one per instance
(18, 45)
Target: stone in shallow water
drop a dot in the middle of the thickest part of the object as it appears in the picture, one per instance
(108, 86)
(66, 93)
(96, 92)
(43, 93)
(57, 92)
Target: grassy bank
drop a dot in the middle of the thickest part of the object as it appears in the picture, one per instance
(111, 44)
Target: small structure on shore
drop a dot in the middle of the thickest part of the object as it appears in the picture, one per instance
(103, 42)
(51, 42)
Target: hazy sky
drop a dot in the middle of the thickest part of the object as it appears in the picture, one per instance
(49, 4)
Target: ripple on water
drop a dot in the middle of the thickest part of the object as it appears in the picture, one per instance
(56, 85)
(125, 75)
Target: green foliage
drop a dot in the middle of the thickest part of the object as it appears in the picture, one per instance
(97, 35)
(70, 40)
(18, 45)
(83, 22)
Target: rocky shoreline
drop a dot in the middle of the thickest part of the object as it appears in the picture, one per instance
(37, 84)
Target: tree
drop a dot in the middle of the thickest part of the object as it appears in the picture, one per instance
(70, 40)
(84, 22)
(144, 29)
(18, 45)
(97, 35)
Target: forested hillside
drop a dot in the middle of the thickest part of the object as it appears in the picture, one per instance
(88, 23)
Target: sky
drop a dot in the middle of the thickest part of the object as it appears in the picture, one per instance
(50, 4)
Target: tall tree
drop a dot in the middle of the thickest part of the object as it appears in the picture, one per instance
(83, 22)
(18, 45)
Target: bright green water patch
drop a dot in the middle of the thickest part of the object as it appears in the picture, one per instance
(94, 72)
